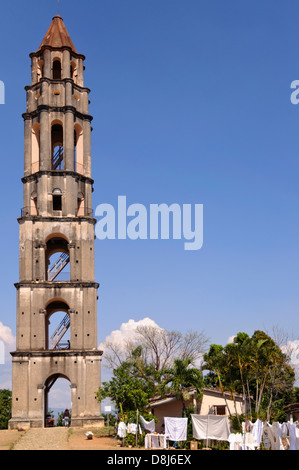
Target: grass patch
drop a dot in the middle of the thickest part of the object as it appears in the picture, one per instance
(103, 432)
(11, 445)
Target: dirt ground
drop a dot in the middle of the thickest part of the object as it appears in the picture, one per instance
(9, 438)
(76, 441)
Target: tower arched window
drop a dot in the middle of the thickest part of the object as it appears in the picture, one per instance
(57, 199)
(57, 325)
(57, 259)
(57, 147)
(56, 69)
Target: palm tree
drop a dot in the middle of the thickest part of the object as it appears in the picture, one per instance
(182, 377)
(215, 362)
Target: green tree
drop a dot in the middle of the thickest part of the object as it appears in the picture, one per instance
(271, 372)
(59, 422)
(5, 408)
(128, 393)
(215, 361)
(182, 377)
(254, 367)
(152, 352)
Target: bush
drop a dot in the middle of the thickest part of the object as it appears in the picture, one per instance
(130, 440)
(131, 417)
(5, 408)
(112, 419)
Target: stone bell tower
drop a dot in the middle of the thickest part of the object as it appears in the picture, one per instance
(57, 272)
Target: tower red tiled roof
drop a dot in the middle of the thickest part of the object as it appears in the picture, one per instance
(57, 35)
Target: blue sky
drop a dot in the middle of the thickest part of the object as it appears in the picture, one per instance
(191, 104)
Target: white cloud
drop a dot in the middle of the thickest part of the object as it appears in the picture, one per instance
(60, 395)
(120, 338)
(231, 339)
(127, 332)
(291, 349)
(6, 335)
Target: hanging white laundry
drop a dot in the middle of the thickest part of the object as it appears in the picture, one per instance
(235, 441)
(284, 430)
(276, 431)
(155, 441)
(284, 436)
(249, 442)
(268, 438)
(210, 427)
(257, 432)
(132, 428)
(176, 429)
(292, 434)
(297, 437)
(148, 425)
(122, 430)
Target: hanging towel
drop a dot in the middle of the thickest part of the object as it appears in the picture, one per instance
(292, 434)
(257, 431)
(276, 435)
(176, 429)
(148, 425)
(236, 441)
(268, 436)
(210, 427)
(132, 428)
(122, 430)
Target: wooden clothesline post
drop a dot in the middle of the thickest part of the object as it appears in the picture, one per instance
(137, 420)
(207, 444)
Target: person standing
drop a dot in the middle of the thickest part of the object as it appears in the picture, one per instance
(66, 418)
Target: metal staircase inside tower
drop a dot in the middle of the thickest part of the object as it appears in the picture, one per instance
(57, 159)
(58, 266)
(60, 332)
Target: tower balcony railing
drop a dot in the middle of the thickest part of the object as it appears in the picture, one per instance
(56, 165)
(64, 276)
(63, 346)
(29, 212)
(34, 212)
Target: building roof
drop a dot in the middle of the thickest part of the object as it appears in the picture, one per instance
(157, 401)
(57, 36)
(293, 407)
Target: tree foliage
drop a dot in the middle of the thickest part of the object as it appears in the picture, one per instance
(5, 408)
(254, 367)
(183, 377)
(127, 392)
(151, 357)
(156, 363)
(160, 362)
